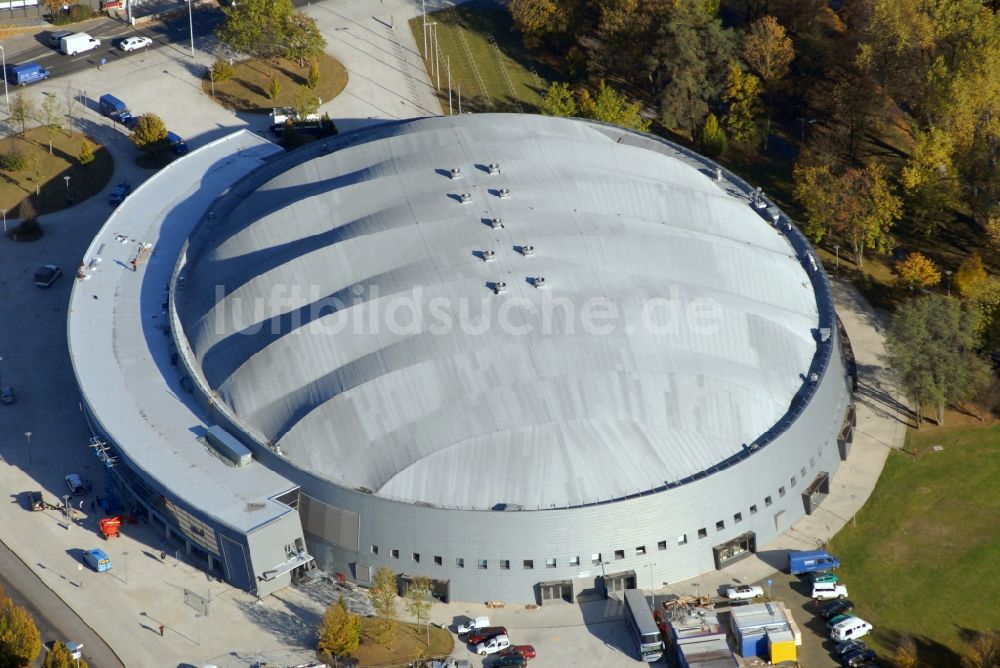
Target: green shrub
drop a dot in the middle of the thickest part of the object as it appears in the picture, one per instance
(76, 13)
(86, 152)
(222, 71)
(274, 89)
(326, 126)
(12, 162)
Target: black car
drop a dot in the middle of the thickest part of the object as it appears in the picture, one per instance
(848, 646)
(857, 658)
(834, 608)
(510, 661)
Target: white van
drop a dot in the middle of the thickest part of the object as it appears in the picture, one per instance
(849, 629)
(78, 43)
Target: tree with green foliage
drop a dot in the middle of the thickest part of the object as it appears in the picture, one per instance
(313, 78)
(222, 71)
(545, 22)
(340, 631)
(150, 134)
(768, 50)
(86, 152)
(687, 63)
(906, 653)
(274, 89)
(60, 657)
(610, 106)
(931, 343)
(303, 40)
(742, 98)
(419, 602)
(857, 204)
(20, 641)
(559, 101)
(917, 271)
(22, 110)
(713, 137)
(269, 29)
(50, 115)
(306, 103)
(383, 596)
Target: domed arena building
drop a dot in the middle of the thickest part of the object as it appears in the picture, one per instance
(531, 358)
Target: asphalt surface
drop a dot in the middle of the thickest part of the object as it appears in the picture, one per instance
(55, 619)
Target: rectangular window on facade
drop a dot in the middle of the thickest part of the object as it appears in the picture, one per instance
(529, 564)
(574, 561)
(781, 491)
(812, 463)
(395, 554)
(720, 525)
(641, 550)
(767, 502)
(702, 533)
(753, 509)
(619, 554)
(481, 564)
(737, 518)
(793, 481)
(438, 561)
(595, 558)
(662, 545)
(550, 562)
(505, 564)
(803, 471)
(416, 557)
(459, 562)
(682, 539)
(374, 549)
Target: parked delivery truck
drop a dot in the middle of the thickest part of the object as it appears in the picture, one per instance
(78, 42)
(813, 561)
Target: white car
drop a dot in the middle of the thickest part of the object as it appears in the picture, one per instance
(743, 592)
(473, 624)
(134, 43)
(825, 591)
(493, 645)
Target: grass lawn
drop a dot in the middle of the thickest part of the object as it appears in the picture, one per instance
(924, 557)
(85, 180)
(247, 89)
(488, 62)
(410, 644)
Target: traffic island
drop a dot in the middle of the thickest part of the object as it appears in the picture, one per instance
(247, 85)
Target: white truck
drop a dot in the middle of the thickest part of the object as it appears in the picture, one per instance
(78, 42)
(281, 115)
(493, 645)
(473, 625)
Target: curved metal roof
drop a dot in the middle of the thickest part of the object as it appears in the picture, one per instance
(319, 312)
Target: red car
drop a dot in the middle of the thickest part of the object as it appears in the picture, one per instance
(527, 651)
(482, 635)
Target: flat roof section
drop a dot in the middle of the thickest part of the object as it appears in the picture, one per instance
(121, 349)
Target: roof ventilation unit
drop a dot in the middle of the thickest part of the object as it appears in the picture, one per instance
(499, 287)
(456, 173)
(465, 198)
(489, 256)
(496, 223)
(503, 193)
(493, 168)
(527, 250)
(538, 282)
(718, 173)
(228, 446)
(824, 334)
(814, 377)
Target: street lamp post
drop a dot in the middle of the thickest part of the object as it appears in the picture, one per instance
(68, 198)
(947, 273)
(4, 219)
(27, 435)
(3, 63)
(604, 578)
(652, 585)
(191, 27)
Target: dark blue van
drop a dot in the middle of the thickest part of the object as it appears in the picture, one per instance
(26, 73)
(115, 109)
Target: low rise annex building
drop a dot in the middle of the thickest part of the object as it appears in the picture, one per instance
(531, 358)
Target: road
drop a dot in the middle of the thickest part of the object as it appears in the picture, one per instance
(55, 619)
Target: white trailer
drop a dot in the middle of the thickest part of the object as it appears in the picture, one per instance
(78, 43)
